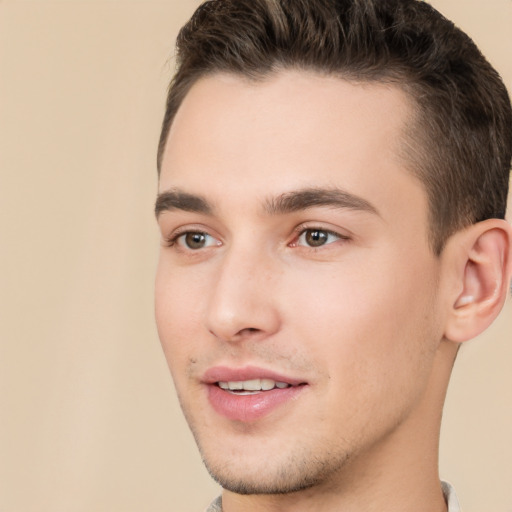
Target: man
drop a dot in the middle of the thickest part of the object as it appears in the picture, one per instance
(333, 182)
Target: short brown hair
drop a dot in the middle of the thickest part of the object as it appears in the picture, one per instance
(460, 142)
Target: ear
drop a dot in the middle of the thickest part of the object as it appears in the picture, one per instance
(480, 262)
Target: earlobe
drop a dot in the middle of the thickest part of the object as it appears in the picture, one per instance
(482, 262)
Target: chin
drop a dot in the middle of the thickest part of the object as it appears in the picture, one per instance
(283, 474)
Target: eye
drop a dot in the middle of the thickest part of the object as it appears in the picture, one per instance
(194, 240)
(317, 237)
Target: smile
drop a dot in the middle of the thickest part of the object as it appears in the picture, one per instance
(249, 394)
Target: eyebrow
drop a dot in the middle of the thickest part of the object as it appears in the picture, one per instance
(178, 200)
(316, 197)
(288, 202)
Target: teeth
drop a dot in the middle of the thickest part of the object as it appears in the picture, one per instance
(253, 385)
(249, 385)
(267, 384)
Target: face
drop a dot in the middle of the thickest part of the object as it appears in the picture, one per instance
(296, 293)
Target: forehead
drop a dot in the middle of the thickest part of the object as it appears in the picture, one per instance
(291, 130)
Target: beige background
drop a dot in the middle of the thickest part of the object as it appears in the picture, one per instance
(88, 418)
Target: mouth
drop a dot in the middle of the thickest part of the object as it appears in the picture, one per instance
(249, 394)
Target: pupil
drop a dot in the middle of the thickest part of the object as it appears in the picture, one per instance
(195, 240)
(316, 238)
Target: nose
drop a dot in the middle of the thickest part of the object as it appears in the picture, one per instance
(242, 304)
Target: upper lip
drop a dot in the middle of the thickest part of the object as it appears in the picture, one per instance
(228, 374)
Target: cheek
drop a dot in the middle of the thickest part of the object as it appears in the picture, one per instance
(375, 321)
(373, 339)
(177, 313)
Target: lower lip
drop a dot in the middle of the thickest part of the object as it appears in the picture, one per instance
(248, 408)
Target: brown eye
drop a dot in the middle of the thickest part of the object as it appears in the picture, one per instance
(194, 240)
(317, 237)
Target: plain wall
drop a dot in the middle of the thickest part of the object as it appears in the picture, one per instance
(88, 417)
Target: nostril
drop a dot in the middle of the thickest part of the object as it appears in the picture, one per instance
(246, 333)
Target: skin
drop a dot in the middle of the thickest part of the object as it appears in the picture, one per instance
(360, 319)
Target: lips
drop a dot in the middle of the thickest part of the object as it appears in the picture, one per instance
(250, 393)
